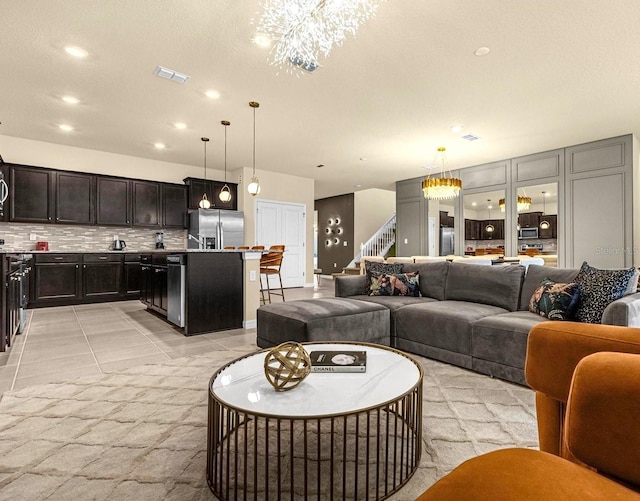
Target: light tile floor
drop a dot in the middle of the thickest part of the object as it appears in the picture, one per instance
(65, 342)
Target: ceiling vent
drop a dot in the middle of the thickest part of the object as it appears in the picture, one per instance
(470, 137)
(172, 75)
(308, 66)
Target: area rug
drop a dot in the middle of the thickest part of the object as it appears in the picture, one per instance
(140, 434)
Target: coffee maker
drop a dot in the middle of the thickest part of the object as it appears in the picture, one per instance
(118, 245)
(159, 240)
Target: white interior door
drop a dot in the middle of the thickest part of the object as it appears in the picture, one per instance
(284, 223)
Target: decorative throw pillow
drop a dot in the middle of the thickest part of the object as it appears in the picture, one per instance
(599, 288)
(375, 269)
(401, 284)
(555, 301)
(632, 288)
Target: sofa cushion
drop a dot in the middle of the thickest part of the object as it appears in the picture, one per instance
(555, 301)
(442, 324)
(599, 288)
(401, 284)
(492, 285)
(393, 302)
(536, 274)
(374, 270)
(503, 338)
(433, 277)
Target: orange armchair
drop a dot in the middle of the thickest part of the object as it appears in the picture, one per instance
(588, 409)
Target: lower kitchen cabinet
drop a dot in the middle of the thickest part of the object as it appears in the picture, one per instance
(67, 279)
(57, 278)
(153, 282)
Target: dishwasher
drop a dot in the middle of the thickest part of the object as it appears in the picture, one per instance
(176, 266)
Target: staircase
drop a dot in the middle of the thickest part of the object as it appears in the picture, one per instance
(379, 244)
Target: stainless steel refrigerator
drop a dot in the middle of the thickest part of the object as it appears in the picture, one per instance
(215, 229)
(446, 241)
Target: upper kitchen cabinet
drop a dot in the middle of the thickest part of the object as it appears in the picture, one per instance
(113, 201)
(197, 187)
(31, 194)
(146, 203)
(75, 198)
(231, 204)
(174, 206)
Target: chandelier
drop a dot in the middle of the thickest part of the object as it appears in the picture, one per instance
(523, 203)
(443, 187)
(304, 30)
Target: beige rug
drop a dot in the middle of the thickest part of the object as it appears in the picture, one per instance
(140, 434)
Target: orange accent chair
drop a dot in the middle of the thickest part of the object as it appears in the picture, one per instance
(270, 265)
(587, 383)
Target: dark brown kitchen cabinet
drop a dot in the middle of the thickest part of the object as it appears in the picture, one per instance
(57, 279)
(101, 277)
(75, 198)
(31, 194)
(132, 276)
(231, 204)
(174, 206)
(113, 201)
(472, 229)
(146, 203)
(528, 219)
(552, 230)
(197, 187)
(153, 282)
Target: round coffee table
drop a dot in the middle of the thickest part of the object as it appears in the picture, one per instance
(334, 436)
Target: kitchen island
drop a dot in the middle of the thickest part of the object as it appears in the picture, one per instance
(197, 290)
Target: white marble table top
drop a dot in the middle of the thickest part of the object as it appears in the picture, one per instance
(243, 385)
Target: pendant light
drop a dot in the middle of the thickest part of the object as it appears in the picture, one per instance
(204, 202)
(444, 187)
(225, 192)
(544, 224)
(489, 228)
(254, 185)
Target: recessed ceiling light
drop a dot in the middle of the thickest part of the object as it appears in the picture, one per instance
(482, 51)
(262, 40)
(212, 94)
(180, 125)
(160, 146)
(76, 52)
(65, 127)
(70, 99)
(547, 194)
(358, 186)
(473, 204)
(456, 128)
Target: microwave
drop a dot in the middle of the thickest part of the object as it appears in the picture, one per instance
(527, 233)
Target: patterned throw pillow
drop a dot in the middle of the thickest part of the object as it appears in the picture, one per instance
(555, 301)
(599, 288)
(375, 269)
(402, 284)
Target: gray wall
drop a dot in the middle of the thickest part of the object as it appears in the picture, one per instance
(332, 258)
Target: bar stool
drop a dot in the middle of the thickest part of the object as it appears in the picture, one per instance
(229, 247)
(243, 247)
(258, 248)
(270, 265)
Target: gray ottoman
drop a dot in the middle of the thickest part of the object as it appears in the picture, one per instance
(326, 319)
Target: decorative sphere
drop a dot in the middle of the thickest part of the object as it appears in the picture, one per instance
(286, 365)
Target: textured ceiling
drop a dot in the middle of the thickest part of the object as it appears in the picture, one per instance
(559, 73)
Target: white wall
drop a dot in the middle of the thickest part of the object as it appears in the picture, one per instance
(279, 188)
(371, 209)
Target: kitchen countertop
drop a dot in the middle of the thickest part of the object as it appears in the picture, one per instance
(145, 251)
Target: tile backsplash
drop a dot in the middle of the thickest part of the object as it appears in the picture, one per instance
(77, 238)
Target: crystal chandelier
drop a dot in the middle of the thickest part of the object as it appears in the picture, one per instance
(443, 187)
(523, 203)
(304, 30)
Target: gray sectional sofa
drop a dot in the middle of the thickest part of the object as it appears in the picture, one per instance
(473, 316)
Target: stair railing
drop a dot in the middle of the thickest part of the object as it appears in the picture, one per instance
(379, 244)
